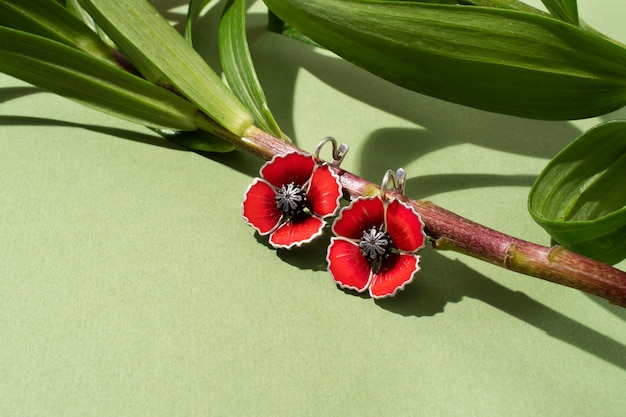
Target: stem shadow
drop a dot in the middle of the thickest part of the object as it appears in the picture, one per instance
(430, 294)
(443, 281)
(613, 309)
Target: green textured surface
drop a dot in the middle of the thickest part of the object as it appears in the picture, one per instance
(130, 285)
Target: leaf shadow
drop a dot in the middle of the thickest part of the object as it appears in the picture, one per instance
(424, 186)
(12, 93)
(145, 138)
(277, 61)
(438, 124)
(238, 161)
(168, 8)
(427, 296)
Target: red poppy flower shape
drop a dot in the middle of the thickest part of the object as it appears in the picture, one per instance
(291, 199)
(375, 246)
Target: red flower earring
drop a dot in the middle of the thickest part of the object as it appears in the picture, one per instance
(376, 243)
(294, 195)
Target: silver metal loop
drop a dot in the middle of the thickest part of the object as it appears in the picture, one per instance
(397, 181)
(339, 152)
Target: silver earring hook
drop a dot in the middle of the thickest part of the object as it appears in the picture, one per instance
(397, 180)
(338, 152)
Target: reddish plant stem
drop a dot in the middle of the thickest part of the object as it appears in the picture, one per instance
(453, 232)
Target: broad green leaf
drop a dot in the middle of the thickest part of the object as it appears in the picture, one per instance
(76, 75)
(163, 56)
(49, 19)
(238, 67)
(566, 10)
(193, 11)
(276, 25)
(580, 197)
(493, 59)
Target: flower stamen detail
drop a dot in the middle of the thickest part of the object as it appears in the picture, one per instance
(291, 199)
(375, 244)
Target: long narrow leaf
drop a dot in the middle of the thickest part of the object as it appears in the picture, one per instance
(49, 19)
(75, 8)
(580, 197)
(81, 77)
(494, 59)
(193, 11)
(504, 4)
(276, 25)
(566, 10)
(238, 67)
(163, 56)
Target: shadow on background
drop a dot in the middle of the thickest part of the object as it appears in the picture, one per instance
(449, 281)
(427, 185)
(12, 93)
(280, 58)
(442, 125)
(149, 139)
(613, 309)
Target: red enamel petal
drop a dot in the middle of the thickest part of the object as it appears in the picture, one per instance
(362, 214)
(259, 207)
(298, 230)
(395, 272)
(405, 227)
(324, 193)
(347, 266)
(284, 169)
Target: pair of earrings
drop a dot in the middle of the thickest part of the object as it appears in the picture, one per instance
(376, 239)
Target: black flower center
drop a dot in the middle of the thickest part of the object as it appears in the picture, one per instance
(375, 244)
(291, 199)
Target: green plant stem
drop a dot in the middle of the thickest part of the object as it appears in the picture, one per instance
(450, 231)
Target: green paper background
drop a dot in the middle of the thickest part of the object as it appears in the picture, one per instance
(131, 286)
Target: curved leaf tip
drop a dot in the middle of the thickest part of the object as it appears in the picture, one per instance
(580, 197)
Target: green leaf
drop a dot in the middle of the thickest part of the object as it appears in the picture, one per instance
(163, 56)
(580, 197)
(239, 69)
(493, 59)
(504, 4)
(75, 8)
(193, 11)
(49, 19)
(197, 140)
(276, 25)
(90, 81)
(566, 10)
